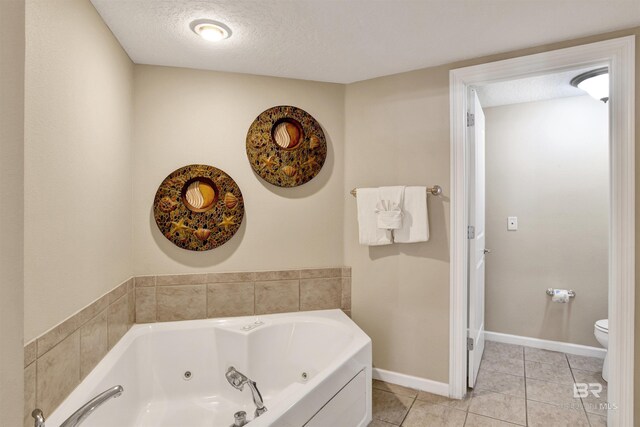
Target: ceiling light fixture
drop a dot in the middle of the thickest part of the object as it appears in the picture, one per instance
(210, 30)
(594, 82)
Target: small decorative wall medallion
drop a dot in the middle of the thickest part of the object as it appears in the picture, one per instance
(286, 146)
(198, 207)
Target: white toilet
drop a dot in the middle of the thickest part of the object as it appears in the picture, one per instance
(601, 331)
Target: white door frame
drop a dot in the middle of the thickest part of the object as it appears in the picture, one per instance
(619, 55)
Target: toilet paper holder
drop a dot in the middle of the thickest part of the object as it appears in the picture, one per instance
(571, 293)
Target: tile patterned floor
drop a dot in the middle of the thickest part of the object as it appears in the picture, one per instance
(516, 386)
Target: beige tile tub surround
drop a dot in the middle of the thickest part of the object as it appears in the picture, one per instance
(277, 296)
(207, 295)
(183, 302)
(56, 362)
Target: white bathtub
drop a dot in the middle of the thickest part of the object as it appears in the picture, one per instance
(150, 362)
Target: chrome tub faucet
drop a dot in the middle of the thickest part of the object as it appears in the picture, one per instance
(238, 381)
(85, 410)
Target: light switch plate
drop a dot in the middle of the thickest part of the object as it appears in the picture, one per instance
(512, 223)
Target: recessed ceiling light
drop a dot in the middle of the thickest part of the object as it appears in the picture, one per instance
(594, 82)
(210, 30)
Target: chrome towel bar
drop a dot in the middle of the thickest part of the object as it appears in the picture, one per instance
(436, 190)
(571, 293)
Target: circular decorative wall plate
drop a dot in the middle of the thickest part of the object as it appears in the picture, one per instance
(286, 146)
(198, 207)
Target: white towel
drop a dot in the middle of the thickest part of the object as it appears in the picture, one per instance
(388, 208)
(389, 215)
(415, 222)
(369, 233)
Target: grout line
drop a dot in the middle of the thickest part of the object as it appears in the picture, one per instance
(497, 419)
(410, 407)
(155, 292)
(35, 388)
(584, 410)
(503, 373)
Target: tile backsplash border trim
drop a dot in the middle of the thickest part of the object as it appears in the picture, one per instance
(102, 323)
(59, 359)
(165, 298)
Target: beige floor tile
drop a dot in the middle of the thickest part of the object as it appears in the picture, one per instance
(550, 373)
(502, 350)
(460, 404)
(588, 377)
(500, 382)
(378, 423)
(394, 388)
(475, 420)
(592, 403)
(507, 366)
(433, 415)
(390, 407)
(596, 404)
(546, 415)
(544, 356)
(558, 394)
(584, 363)
(597, 420)
(499, 406)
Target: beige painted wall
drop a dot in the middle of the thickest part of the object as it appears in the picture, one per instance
(11, 209)
(78, 112)
(397, 131)
(548, 164)
(185, 116)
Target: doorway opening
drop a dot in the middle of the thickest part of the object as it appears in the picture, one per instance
(467, 247)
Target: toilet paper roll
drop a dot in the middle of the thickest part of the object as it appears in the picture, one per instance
(560, 295)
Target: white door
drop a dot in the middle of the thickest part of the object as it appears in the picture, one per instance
(477, 251)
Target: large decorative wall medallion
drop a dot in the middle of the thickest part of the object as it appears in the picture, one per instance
(286, 146)
(198, 207)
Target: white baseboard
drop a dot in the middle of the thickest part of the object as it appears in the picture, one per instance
(577, 349)
(410, 381)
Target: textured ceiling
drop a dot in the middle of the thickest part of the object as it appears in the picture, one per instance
(530, 89)
(350, 40)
